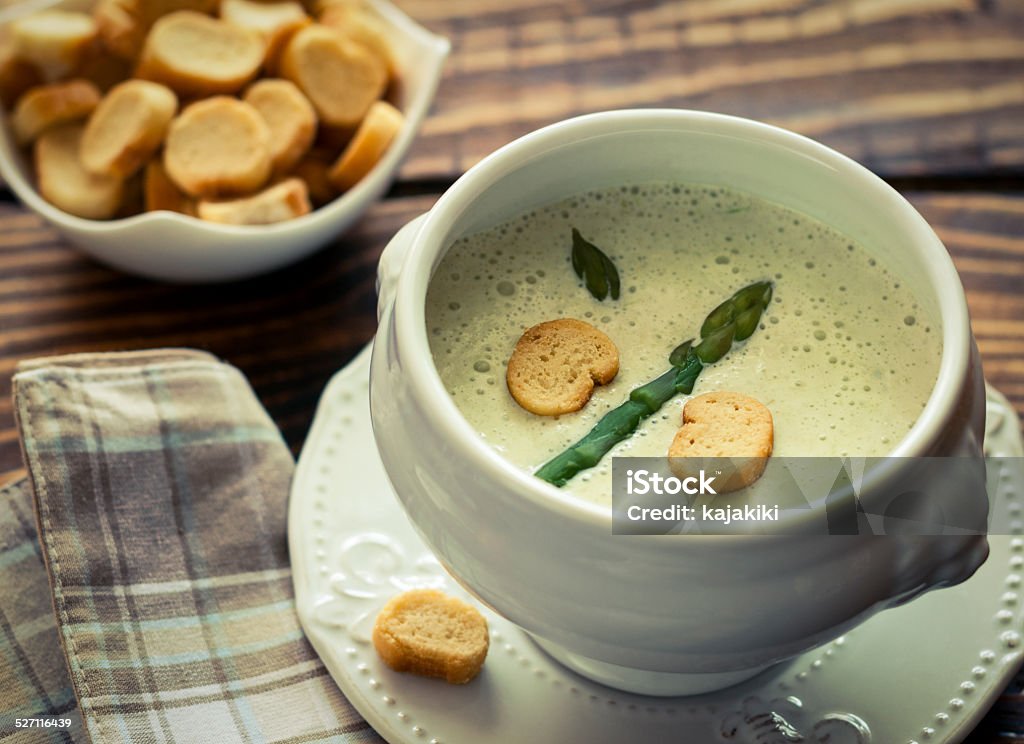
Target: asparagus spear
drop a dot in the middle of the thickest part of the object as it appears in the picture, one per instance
(594, 267)
(734, 320)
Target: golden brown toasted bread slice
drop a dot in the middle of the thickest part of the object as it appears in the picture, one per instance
(49, 105)
(313, 169)
(218, 147)
(66, 184)
(555, 366)
(342, 78)
(127, 127)
(197, 55)
(103, 69)
(319, 7)
(728, 431)
(375, 134)
(160, 192)
(359, 24)
(54, 41)
(133, 197)
(123, 24)
(277, 203)
(276, 22)
(16, 75)
(289, 116)
(426, 632)
(121, 27)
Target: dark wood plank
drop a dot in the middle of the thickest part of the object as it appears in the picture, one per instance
(288, 332)
(985, 235)
(904, 86)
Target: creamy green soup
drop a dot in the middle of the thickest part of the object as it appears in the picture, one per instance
(844, 357)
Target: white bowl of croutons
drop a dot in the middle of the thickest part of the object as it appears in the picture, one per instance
(208, 140)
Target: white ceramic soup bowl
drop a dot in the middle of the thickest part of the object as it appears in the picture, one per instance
(178, 248)
(659, 614)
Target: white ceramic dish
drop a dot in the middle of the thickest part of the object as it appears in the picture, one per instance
(173, 247)
(924, 672)
(619, 610)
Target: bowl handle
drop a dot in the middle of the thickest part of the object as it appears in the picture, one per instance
(392, 260)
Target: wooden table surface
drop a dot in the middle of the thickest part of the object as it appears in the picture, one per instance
(927, 93)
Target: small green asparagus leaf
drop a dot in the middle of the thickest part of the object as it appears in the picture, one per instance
(717, 345)
(686, 375)
(718, 318)
(595, 276)
(752, 294)
(594, 267)
(613, 277)
(746, 322)
(680, 354)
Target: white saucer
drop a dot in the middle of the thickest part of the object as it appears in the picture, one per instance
(925, 672)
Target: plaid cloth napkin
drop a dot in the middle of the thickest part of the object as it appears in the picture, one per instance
(155, 603)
